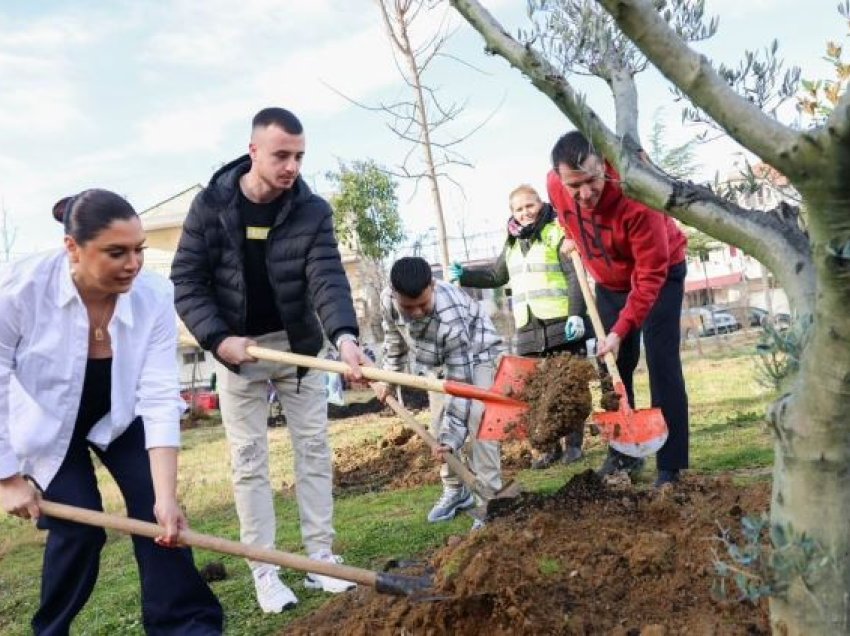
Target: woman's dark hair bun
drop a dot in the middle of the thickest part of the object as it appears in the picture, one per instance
(60, 208)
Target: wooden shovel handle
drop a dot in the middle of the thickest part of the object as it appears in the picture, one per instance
(208, 542)
(334, 366)
(595, 320)
(457, 466)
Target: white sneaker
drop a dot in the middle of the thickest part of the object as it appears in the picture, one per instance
(272, 595)
(323, 582)
(450, 503)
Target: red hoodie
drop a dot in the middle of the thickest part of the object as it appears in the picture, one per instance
(625, 245)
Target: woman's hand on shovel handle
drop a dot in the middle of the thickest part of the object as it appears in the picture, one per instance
(171, 517)
(18, 497)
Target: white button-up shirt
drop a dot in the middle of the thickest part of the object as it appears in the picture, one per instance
(44, 336)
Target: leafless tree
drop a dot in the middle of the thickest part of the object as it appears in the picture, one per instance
(424, 120)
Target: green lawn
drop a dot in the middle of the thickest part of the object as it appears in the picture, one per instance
(727, 433)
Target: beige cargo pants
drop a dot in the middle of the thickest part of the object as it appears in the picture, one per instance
(244, 400)
(484, 458)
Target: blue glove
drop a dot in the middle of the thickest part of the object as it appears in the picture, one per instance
(455, 272)
(574, 328)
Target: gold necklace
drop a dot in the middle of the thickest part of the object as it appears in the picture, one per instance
(98, 330)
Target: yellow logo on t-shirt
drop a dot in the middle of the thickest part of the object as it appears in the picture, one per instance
(256, 233)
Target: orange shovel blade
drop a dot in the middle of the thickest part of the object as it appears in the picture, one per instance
(636, 433)
(507, 421)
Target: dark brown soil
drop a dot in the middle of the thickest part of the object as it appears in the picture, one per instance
(559, 399)
(586, 560)
(414, 400)
(609, 400)
(400, 459)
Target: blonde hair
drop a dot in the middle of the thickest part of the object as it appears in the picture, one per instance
(523, 189)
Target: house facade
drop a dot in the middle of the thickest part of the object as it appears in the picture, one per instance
(727, 276)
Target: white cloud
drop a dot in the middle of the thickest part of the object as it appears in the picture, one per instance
(212, 34)
(299, 82)
(39, 95)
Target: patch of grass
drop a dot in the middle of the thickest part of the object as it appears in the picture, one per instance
(548, 566)
(727, 434)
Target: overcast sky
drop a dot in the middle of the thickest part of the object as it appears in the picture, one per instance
(148, 97)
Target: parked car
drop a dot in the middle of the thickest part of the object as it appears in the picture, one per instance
(750, 316)
(708, 321)
(758, 317)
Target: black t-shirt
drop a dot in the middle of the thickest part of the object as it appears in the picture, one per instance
(262, 315)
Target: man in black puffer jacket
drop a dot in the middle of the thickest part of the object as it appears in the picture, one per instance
(256, 262)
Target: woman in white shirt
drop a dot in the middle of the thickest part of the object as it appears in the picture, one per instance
(87, 362)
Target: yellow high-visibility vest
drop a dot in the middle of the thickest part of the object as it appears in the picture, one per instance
(538, 284)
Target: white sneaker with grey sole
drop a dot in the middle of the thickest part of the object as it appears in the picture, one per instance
(450, 503)
(272, 595)
(324, 582)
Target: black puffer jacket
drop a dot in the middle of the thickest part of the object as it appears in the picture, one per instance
(303, 262)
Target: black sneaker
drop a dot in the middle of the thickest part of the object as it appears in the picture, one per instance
(572, 454)
(546, 459)
(618, 461)
(667, 477)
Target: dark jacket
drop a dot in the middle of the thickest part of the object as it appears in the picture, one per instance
(625, 245)
(537, 336)
(304, 266)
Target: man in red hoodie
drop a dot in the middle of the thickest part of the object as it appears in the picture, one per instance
(636, 255)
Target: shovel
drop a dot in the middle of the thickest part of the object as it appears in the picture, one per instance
(502, 412)
(636, 433)
(469, 478)
(395, 584)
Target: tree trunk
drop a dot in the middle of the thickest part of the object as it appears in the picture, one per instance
(811, 490)
(811, 494)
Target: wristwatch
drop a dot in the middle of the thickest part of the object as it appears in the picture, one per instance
(346, 337)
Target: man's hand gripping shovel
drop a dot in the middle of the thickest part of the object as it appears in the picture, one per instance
(637, 433)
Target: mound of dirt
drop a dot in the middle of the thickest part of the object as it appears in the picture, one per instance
(559, 398)
(400, 459)
(586, 560)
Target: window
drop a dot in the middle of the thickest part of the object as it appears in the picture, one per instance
(190, 358)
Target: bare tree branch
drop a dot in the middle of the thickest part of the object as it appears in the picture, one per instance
(694, 75)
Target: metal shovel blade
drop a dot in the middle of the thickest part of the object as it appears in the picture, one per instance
(507, 421)
(634, 433)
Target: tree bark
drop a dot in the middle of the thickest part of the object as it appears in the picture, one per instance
(626, 105)
(812, 459)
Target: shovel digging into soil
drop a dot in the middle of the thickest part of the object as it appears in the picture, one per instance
(383, 582)
(484, 492)
(637, 433)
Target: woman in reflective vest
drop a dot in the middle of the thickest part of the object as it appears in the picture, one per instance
(548, 307)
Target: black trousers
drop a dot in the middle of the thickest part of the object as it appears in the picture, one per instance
(175, 599)
(661, 335)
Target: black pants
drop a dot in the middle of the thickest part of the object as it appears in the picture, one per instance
(175, 599)
(661, 334)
